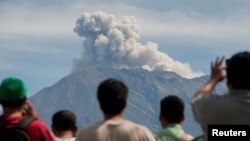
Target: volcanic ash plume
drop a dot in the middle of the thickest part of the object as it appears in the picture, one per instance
(115, 43)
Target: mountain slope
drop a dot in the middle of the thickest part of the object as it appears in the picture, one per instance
(77, 92)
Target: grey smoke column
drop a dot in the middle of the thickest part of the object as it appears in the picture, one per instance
(115, 43)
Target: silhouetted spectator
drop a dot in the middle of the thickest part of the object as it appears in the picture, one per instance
(17, 108)
(171, 117)
(231, 108)
(112, 96)
(64, 125)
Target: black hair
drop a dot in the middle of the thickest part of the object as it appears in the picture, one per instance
(13, 104)
(172, 109)
(112, 96)
(64, 120)
(238, 71)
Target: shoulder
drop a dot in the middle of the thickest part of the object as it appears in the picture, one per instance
(207, 107)
(37, 124)
(88, 131)
(170, 135)
(59, 139)
(209, 101)
(173, 132)
(170, 132)
(140, 130)
(38, 130)
(90, 127)
(158, 135)
(207, 97)
(134, 126)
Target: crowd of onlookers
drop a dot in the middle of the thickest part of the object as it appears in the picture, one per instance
(20, 121)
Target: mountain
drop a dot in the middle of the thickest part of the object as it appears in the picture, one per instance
(77, 92)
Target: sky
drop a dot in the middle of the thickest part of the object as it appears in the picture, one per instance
(39, 44)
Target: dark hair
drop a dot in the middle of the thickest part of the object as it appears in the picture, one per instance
(112, 96)
(238, 70)
(13, 104)
(172, 109)
(64, 120)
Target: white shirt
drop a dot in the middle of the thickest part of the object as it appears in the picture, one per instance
(69, 139)
(115, 130)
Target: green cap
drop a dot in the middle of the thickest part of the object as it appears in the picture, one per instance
(12, 89)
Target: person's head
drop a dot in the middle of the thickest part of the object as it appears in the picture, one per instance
(64, 121)
(172, 110)
(13, 93)
(112, 96)
(238, 71)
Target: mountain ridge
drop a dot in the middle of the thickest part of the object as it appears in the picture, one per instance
(77, 92)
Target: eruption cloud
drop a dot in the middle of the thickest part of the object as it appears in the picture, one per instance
(115, 43)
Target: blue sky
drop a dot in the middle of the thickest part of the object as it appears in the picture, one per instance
(38, 43)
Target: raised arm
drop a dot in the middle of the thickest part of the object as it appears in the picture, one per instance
(216, 76)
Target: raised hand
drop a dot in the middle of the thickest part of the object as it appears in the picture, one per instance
(217, 70)
(216, 76)
(30, 110)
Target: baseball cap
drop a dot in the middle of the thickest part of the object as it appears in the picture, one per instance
(12, 89)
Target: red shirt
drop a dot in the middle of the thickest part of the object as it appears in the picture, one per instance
(37, 130)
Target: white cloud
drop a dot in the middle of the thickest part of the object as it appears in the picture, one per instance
(115, 43)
